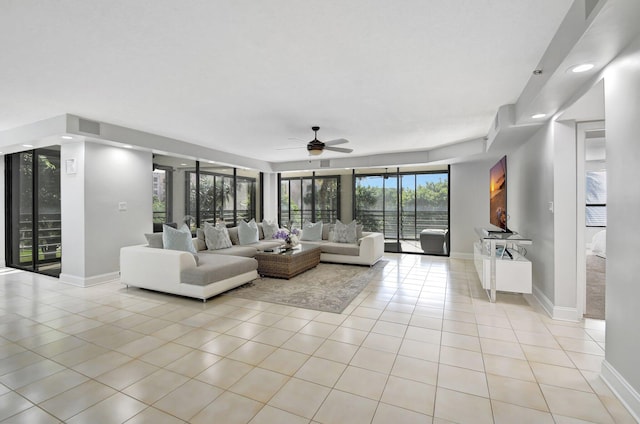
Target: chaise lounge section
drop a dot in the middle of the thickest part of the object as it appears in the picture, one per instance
(176, 272)
(368, 250)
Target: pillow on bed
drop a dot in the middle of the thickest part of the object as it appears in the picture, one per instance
(599, 244)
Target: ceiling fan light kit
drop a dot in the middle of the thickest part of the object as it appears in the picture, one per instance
(315, 147)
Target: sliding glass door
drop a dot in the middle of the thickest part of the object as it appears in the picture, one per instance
(404, 206)
(33, 220)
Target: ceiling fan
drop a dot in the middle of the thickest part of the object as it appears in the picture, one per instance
(315, 147)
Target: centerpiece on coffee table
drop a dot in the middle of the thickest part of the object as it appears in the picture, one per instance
(290, 237)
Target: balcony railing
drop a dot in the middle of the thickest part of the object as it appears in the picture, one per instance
(49, 237)
(411, 223)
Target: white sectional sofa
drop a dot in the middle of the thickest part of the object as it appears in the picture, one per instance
(216, 271)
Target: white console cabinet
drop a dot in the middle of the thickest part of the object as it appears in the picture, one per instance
(509, 274)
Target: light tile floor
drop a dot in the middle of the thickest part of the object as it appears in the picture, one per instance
(421, 344)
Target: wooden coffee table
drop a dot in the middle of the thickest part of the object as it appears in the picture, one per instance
(288, 263)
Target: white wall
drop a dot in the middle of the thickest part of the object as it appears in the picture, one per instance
(469, 204)
(622, 91)
(346, 197)
(93, 227)
(179, 187)
(72, 201)
(564, 220)
(530, 189)
(270, 196)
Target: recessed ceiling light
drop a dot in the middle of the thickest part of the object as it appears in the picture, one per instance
(183, 164)
(582, 68)
(127, 146)
(66, 137)
(27, 145)
(539, 115)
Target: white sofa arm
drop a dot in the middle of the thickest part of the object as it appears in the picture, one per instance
(372, 247)
(143, 266)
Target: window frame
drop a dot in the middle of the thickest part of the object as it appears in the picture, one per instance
(595, 205)
(312, 201)
(199, 220)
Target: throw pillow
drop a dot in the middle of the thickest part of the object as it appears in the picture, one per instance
(344, 233)
(200, 234)
(269, 228)
(154, 240)
(248, 232)
(216, 236)
(312, 231)
(233, 235)
(326, 231)
(179, 239)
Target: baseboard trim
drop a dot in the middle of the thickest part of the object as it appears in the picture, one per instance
(459, 255)
(561, 313)
(622, 389)
(89, 281)
(538, 298)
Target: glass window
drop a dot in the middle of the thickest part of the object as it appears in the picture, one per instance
(309, 198)
(326, 199)
(245, 198)
(162, 190)
(596, 199)
(368, 199)
(224, 194)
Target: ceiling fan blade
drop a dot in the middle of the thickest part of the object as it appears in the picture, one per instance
(336, 142)
(289, 148)
(338, 149)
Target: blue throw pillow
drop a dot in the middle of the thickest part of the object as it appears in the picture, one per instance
(179, 239)
(248, 232)
(312, 231)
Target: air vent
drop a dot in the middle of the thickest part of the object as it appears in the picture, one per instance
(595, 134)
(90, 127)
(326, 163)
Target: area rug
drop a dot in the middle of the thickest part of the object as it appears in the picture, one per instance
(327, 287)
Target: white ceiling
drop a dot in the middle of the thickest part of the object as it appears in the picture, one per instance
(246, 76)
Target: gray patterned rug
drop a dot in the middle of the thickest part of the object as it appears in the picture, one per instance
(327, 287)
